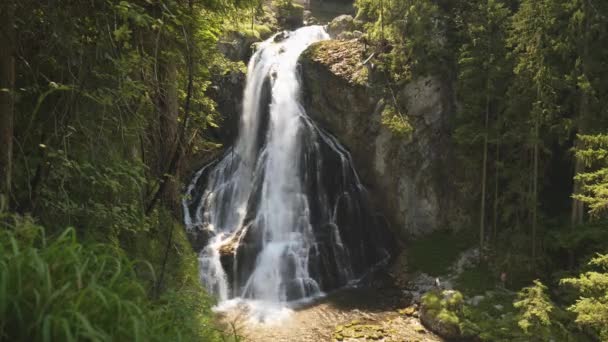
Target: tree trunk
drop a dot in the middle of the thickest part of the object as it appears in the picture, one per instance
(578, 207)
(7, 104)
(168, 115)
(577, 214)
(535, 181)
(496, 186)
(484, 173)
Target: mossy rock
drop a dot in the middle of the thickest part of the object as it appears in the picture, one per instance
(343, 58)
(411, 311)
(357, 330)
(440, 312)
(289, 14)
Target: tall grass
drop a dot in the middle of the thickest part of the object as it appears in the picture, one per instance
(57, 289)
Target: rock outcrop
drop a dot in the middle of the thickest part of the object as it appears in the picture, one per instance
(406, 174)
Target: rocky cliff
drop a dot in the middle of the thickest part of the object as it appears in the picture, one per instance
(406, 174)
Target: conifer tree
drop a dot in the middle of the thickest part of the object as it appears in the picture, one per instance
(537, 58)
(482, 74)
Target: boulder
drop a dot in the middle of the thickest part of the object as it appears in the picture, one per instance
(341, 24)
(439, 312)
(309, 19)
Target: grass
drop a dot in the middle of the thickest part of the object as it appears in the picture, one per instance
(476, 280)
(57, 289)
(435, 253)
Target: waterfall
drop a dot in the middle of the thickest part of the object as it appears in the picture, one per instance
(283, 211)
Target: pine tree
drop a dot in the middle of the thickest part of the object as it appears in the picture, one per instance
(7, 106)
(591, 308)
(482, 72)
(592, 152)
(537, 48)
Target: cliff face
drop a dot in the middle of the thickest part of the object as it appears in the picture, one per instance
(407, 174)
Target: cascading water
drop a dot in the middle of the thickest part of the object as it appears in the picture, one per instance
(283, 211)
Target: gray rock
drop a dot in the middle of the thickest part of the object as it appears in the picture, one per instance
(475, 301)
(340, 24)
(309, 19)
(408, 175)
(237, 46)
(227, 92)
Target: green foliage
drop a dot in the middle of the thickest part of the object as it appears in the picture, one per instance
(413, 28)
(493, 319)
(109, 94)
(591, 308)
(57, 289)
(537, 312)
(593, 152)
(396, 121)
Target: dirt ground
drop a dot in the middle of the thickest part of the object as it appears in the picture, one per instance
(364, 314)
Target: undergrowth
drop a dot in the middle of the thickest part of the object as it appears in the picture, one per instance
(54, 288)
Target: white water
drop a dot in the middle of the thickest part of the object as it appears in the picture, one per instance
(283, 210)
(257, 196)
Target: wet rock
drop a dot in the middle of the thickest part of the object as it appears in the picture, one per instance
(281, 36)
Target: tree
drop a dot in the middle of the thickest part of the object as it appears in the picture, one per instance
(537, 48)
(592, 152)
(587, 33)
(483, 71)
(535, 309)
(591, 308)
(7, 85)
(415, 31)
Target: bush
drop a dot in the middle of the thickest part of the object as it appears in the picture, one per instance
(57, 289)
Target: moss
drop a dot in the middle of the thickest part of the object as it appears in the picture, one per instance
(342, 58)
(397, 122)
